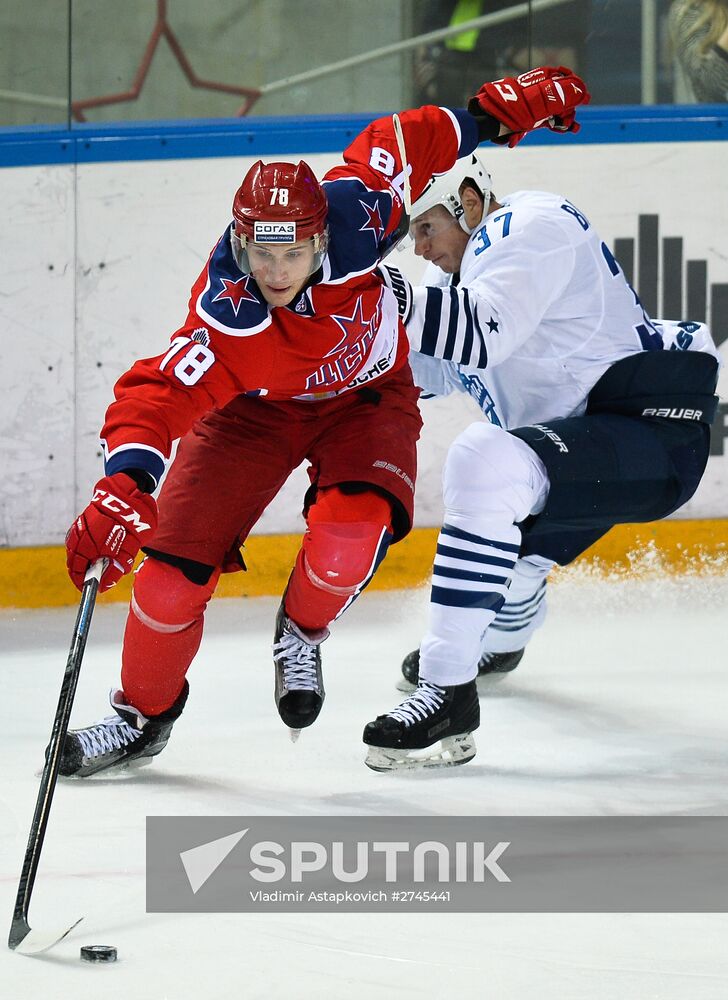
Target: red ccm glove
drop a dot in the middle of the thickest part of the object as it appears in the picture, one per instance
(544, 97)
(113, 527)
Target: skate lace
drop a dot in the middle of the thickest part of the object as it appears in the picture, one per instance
(299, 662)
(424, 700)
(112, 733)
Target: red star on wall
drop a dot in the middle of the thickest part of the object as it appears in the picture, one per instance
(236, 292)
(162, 30)
(374, 222)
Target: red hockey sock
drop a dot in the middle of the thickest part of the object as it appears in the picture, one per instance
(346, 539)
(162, 636)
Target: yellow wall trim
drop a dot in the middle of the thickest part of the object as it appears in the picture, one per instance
(36, 577)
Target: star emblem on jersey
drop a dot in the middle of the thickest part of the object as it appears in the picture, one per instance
(348, 354)
(492, 325)
(374, 222)
(236, 292)
(355, 328)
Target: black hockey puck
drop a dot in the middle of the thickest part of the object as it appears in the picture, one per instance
(98, 953)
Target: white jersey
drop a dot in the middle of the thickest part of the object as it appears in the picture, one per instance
(541, 311)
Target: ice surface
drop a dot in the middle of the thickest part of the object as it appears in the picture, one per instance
(617, 708)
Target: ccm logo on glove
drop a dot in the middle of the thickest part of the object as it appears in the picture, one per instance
(110, 528)
(125, 513)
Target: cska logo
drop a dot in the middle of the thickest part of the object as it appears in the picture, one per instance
(350, 352)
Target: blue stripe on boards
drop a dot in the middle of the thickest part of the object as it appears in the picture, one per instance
(466, 598)
(467, 536)
(271, 137)
(468, 555)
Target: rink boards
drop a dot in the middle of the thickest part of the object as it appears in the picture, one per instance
(106, 228)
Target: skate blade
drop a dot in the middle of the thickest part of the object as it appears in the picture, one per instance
(114, 772)
(450, 752)
(294, 734)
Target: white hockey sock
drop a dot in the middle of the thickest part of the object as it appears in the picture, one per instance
(524, 610)
(491, 482)
(470, 581)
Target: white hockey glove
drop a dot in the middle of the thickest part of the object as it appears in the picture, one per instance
(401, 288)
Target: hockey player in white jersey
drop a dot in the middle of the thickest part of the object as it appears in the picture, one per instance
(596, 415)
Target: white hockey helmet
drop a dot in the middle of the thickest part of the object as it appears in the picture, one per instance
(444, 189)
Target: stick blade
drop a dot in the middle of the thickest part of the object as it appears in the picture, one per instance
(26, 941)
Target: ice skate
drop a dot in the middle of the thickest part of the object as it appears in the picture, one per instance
(299, 690)
(125, 738)
(433, 727)
(492, 669)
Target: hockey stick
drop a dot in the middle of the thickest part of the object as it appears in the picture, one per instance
(399, 136)
(406, 192)
(22, 937)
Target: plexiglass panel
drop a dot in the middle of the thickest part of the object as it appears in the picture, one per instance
(99, 60)
(34, 62)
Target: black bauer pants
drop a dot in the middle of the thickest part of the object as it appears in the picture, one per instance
(616, 465)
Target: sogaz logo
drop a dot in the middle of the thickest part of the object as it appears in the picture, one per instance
(274, 232)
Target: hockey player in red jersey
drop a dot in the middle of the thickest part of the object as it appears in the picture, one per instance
(293, 348)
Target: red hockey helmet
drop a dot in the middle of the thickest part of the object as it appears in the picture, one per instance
(279, 203)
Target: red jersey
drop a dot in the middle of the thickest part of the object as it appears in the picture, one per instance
(340, 332)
